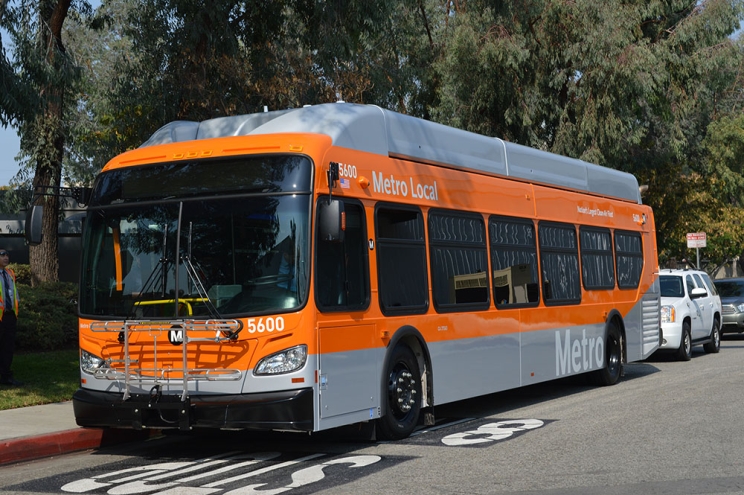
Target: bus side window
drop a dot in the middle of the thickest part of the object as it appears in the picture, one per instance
(401, 260)
(513, 261)
(559, 260)
(597, 262)
(629, 259)
(342, 273)
(459, 261)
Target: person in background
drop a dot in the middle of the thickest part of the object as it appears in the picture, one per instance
(8, 319)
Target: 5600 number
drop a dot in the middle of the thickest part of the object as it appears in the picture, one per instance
(346, 170)
(261, 325)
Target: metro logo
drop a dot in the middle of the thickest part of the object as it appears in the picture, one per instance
(175, 336)
(579, 354)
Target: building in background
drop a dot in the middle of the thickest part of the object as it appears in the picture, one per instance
(12, 226)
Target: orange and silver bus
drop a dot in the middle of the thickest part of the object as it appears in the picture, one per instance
(337, 264)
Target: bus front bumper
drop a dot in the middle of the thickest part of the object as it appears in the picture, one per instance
(285, 410)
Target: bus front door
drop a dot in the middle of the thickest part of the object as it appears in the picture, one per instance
(349, 383)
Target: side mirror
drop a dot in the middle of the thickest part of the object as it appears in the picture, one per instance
(698, 292)
(34, 217)
(331, 220)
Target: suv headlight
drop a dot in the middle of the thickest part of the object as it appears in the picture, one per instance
(282, 362)
(668, 314)
(90, 363)
(740, 308)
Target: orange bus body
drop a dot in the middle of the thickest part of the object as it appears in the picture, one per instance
(198, 371)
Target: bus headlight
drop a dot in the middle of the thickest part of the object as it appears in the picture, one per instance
(90, 363)
(285, 361)
(668, 314)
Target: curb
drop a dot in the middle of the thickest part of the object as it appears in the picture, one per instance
(64, 442)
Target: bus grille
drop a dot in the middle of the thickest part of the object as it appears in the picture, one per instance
(153, 366)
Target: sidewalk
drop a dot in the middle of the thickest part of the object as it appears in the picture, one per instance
(34, 432)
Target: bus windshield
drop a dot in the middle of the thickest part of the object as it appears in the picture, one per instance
(227, 256)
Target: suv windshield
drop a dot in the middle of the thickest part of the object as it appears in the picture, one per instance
(671, 286)
(193, 252)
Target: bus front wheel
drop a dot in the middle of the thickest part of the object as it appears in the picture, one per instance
(402, 401)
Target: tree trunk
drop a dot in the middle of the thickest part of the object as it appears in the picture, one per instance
(44, 258)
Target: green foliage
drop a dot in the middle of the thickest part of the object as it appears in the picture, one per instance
(688, 206)
(47, 316)
(724, 143)
(14, 200)
(22, 273)
(47, 377)
(192, 63)
(45, 80)
(624, 84)
(652, 87)
(630, 85)
(46, 358)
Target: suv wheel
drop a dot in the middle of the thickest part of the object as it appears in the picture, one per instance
(684, 353)
(715, 338)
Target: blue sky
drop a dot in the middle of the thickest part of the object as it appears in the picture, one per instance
(10, 144)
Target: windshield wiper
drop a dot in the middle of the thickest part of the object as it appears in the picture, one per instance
(199, 286)
(193, 275)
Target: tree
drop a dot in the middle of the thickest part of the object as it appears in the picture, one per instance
(629, 85)
(635, 85)
(10, 107)
(185, 62)
(99, 42)
(43, 86)
(188, 62)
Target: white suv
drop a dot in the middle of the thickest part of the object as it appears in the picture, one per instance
(690, 312)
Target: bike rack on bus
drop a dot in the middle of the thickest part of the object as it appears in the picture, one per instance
(156, 375)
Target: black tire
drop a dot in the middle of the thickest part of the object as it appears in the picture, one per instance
(402, 398)
(613, 366)
(684, 353)
(714, 345)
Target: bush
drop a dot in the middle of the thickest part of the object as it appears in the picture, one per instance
(22, 273)
(47, 318)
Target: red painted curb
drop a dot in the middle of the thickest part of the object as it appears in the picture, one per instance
(36, 447)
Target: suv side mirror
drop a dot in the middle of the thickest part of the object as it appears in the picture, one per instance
(698, 292)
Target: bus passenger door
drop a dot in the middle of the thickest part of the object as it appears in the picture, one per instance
(348, 377)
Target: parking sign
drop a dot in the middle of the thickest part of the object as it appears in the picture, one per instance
(696, 240)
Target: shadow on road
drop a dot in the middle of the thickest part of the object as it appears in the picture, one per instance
(732, 341)
(503, 402)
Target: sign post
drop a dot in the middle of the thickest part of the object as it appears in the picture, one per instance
(696, 240)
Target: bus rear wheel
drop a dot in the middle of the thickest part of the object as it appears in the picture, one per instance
(402, 401)
(613, 366)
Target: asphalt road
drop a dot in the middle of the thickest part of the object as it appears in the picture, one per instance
(667, 428)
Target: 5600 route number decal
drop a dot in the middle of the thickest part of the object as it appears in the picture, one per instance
(261, 325)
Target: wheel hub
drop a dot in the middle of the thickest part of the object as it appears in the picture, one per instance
(402, 390)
